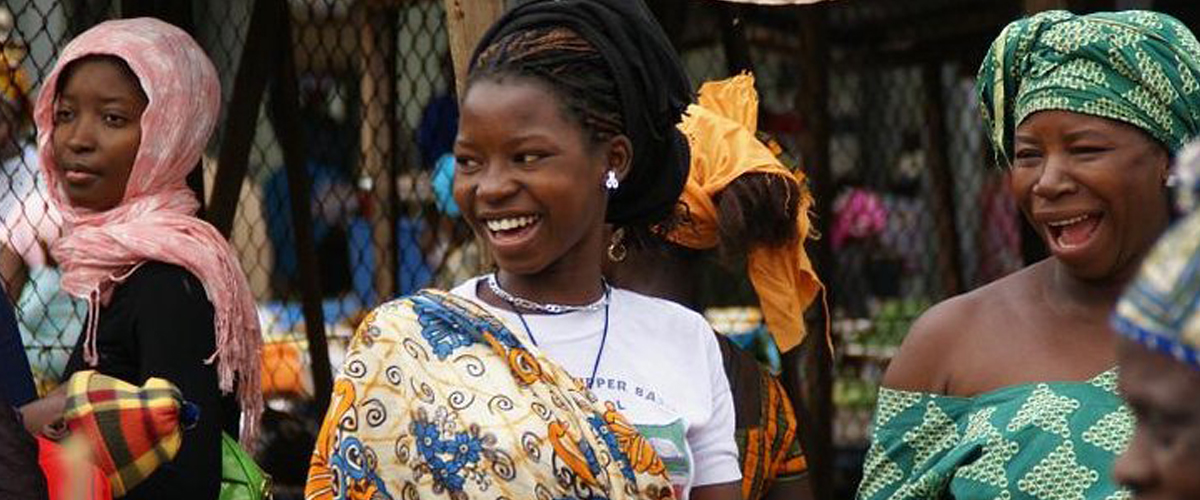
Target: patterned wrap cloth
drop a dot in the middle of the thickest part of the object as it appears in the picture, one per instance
(439, 399)
(1136, 67)
(766, 428)
(720, 130)
(130, 430)
(156, 220)
(1047, 441)
(1160, 309)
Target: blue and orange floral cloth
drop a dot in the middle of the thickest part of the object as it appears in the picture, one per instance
(438, 399)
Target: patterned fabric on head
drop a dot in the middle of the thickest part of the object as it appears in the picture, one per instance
(130, 430)
(720, 131)
(1160, 309)
(1136, 67)
(156, 220)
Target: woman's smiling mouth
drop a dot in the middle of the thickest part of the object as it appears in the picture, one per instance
(510, 230)
(1073, 232)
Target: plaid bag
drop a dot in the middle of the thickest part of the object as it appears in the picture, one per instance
(132, 430)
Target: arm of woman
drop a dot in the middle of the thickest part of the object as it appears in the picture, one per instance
(920, 364)
(175, 334)
(724, 491)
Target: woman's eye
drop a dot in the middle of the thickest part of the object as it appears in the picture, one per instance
(115, 120)
(463, 163)
(1088, 150)
(63, 115)
(1026, 157)
(529, 157)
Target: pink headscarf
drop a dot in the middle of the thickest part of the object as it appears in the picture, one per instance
(155, 220)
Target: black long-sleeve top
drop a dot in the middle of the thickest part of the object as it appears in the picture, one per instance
(160, 324)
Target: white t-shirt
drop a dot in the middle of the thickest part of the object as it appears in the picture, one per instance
(661, 367)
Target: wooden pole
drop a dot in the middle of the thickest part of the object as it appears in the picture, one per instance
(812, 104)
(733, 38)
(285, 115)
(465, 26)
(376, 46)
(249, 84)
(949, 260)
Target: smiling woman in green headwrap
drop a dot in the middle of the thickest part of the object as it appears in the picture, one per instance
(1009, 391)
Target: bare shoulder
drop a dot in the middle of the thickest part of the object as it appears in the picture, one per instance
(924, 362)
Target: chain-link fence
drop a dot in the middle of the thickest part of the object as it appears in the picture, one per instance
(357, 100)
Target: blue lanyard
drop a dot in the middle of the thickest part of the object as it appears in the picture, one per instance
(603, 336)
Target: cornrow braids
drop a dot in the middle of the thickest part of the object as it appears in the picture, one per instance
(569, 65)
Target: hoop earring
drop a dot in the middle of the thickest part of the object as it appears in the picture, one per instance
(610, 181)
(616, 246)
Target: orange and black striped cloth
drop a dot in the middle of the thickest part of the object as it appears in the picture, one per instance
(766, 428)
(130, 430)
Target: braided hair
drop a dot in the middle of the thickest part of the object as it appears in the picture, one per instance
(569, 66)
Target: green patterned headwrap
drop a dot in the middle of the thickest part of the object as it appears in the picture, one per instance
(1137, 67)
(1161, 307)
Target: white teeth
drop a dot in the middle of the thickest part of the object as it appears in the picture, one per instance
(510, 223)
(1070, 221)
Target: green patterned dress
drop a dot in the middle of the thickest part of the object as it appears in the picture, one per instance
(1046, 441)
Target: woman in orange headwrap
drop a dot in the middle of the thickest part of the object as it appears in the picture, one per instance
(739, 199)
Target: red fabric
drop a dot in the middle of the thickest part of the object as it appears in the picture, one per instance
(64, 477)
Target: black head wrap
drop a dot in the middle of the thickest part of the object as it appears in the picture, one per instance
(652, 86)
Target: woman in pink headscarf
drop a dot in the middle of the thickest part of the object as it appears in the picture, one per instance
(122, 120)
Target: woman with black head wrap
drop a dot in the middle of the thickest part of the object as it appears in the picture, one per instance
(540, 380)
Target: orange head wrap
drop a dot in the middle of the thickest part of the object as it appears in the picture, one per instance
(721, 133)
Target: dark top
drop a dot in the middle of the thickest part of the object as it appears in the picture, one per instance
(16, 380)
(160, 324)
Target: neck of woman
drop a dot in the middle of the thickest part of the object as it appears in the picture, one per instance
(1091, 294)
(574, 285)
(670, 273)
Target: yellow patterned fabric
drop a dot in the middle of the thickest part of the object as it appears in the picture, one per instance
(1136, 67)
(1046, 441)
(439, 399)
